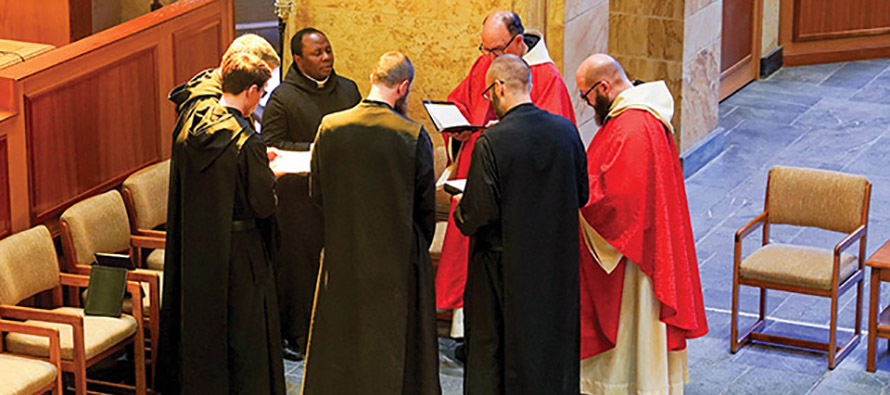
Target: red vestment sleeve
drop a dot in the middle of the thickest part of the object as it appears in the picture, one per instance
(549, 91)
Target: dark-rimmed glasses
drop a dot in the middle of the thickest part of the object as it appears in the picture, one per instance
(584, 95)
(485, 93)
(498, 50)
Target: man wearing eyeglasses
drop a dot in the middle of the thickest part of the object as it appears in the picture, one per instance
(502, 33)
(641, 294)
(526, 183)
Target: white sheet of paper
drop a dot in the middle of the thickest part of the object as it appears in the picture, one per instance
(297, 162)
(460, 185)
(446, 115)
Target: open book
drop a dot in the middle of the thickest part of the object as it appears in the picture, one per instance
(447, 117)
(452, 187)
(296, 162)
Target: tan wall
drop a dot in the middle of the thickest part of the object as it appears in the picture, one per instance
(440, 36)
(770, 39)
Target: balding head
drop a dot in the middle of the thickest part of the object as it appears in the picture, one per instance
(510, 81)
(513, 72)
(502, 33)
(392, 69)
(391, 80)
(254, 45)
(601, 79)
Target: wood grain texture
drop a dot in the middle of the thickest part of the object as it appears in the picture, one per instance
(829, 19)
(196, 47)
(823, 31)
(79, 119)
(54, 22)
(89, 133)
(5, 225)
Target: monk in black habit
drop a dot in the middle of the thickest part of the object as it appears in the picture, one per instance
(374, 322)
(310, 90)
(527, 179)
(220, 330)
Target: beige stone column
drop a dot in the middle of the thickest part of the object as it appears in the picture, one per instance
(677, 41)
(586, 33)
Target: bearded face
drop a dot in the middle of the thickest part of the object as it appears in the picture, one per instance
(601, 106)
(401, 106)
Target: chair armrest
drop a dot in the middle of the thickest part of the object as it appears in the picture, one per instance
(147, 241)
(152, 233)
(55, 343)
(850, 239)
(75, 280)
(28, 313)
(750, 227)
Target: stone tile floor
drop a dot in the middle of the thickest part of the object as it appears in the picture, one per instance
(832, 116)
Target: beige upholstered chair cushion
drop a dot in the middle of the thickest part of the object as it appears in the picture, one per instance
(149, 188)
(155, 260)
(100, 334)
(28, 265)
(146, 297)
(820, 198)
(438, 239)
(22, 376)
(799, 266)
(98, 224)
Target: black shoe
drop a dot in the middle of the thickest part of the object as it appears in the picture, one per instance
(290, 353)
(460, 353)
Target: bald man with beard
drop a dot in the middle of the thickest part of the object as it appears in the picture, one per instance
(526, 182)
(641, 294)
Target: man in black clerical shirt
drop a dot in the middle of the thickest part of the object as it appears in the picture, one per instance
(310, 90)
(527, 179)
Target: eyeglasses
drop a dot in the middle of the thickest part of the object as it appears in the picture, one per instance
(498, 50)
(263, 91)
(485, 93)
(584, 95)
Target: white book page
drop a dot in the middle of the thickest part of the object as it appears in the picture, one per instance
(296, 162)
(446, 115)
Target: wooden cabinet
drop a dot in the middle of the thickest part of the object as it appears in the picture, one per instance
(821, 31)
(53, 22)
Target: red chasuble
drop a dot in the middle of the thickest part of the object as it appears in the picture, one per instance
(638, 204)
(548, 93)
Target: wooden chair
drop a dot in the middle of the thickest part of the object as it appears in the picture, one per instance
(101, 224)
(29, 266)
(812, 198)
(21, 375)
(145, 196)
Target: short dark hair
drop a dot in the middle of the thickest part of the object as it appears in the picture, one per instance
(511, 22)
(296, 42)
(242, 70)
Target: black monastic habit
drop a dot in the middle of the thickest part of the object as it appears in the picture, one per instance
(219, 319)
(374, 322)
(527, 179)
(290, 121)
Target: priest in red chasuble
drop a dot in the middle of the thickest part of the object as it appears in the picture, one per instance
(640, 290)
(502, 33)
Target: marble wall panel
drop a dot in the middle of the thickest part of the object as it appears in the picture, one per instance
(770, 38)
(702, 29)
(693, 6)
(701, 95)
(585, 35)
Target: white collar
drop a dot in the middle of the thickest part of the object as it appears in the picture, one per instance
(538, 54)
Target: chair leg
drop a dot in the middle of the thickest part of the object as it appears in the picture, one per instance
(832, 333)
(859, 297)
(139, 362)
(762, 304)
(734, 318)
(80, 380)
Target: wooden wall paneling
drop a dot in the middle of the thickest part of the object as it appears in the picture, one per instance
(54, 22)
(5, 220)
(80, 118)
(195, 48)
(88, 134)
(823, 20)
(824, 31)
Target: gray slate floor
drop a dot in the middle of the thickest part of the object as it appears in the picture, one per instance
(832, 116)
